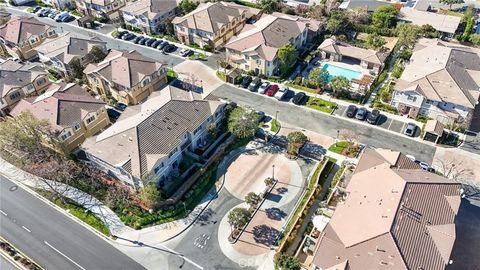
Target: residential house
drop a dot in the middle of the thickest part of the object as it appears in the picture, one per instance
(21, 2)
(21, 35)
(128, 77)
(394, 215)
(18, 81)
(150, 16)
(255, 48)
(369, 5)
(58, 53)
(441, 81)
(445, 24)
(152, 138)
(101, 8)
(213, 24)
(73, 113)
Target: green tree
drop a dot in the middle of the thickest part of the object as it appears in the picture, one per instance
(212, 131)
(287, 262)
(450, 3)
(296, 140)
(475, 39)
(149, 194)
(287, 56)
(269, 181)
(428, 31)
(336, 23)
(268, 6)
(242, 122)
(188, 6)
(251, 198)
(97, 54)
(318, 77)
(384, 16)
(375, 41)
(238, 217)
(339, 83)
(407, 34)
(77, 68)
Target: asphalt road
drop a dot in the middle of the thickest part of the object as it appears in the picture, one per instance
(6, 265)
(52, 239)
(326, 124)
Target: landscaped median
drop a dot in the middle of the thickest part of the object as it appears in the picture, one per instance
(20, 260)
(321, 105)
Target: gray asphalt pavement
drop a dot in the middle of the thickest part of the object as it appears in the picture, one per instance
(52, 239)
(6, 265)
(326, 124)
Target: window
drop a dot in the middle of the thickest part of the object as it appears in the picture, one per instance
(412, 98)
(30, 88)
(65, 135)
(146, 81)
(197, 130)
(76, 126)
(172, 153)
(429, 101)
(15, 95)
(90, 119)
(41, 81)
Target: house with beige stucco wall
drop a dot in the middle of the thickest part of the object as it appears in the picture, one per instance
(128, 77)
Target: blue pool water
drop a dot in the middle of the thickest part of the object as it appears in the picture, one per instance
(339, 71)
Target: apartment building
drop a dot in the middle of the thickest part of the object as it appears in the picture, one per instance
(213, 24)
(101, 8)
(18, 81)
(128, 77)
(441, 81)
(149, 16)
(255, 47)
(21, 35)
(151, 138)
(71, 111)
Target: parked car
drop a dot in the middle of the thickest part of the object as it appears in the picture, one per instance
(169, 48)
(35, 9)
(281, 93)
(361, 114)
(425, 166)
(254, 84)
(120, 106)
(114, 114)
(128, 36)
(246, 81)
(120, 34)
(272, 90)
(185, 52)
(142, 41)
(44, 12)
(155, 43)
(137, 39)
(67, 18)
(162, 45)
(58, 15)
(53, 13)
(264, 87)
(150, 42)
(38, 12)
(372, 117)
(63, 17)
(410, 129)
(351, 110)
(299, 98)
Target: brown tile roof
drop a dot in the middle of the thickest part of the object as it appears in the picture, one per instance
(150, 8)
(331, 45)
(20, 29)
(63, 105)
(395, 216)
(15, 75)
(68, 46)
(434, 126)
(124, 68)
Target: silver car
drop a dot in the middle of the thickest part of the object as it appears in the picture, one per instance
(263, 88)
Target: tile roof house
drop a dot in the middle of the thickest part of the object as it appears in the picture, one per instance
(20, 35)
(445, 24)
(129, 77)
(395, 216)
(442, 80)
(213, 24)
(58, 53)
(70, 110)
(152, 137)
(18, 81)
(370, 5)
(149, 15)
(100, 8)
(255, 48)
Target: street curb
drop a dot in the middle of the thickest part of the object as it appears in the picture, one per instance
(11, 260)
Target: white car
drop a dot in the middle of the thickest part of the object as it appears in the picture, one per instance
(281, 92)
(263, 88)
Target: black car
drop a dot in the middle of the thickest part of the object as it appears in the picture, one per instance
(254, 84)
(113, 114)
(169, 48)
(155, 43)
(120, 106)
(246, 81)
(120, 34)
(142, 41)
(351, 110)
(299, 98)
(150, 42)
(137, 39)
(147, 40)
(128, 36)
(372, 117)
(162, 45)
(35, 9)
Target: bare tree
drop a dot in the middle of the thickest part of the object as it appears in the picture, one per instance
(455, 169)
(190, 81)
(349, 136)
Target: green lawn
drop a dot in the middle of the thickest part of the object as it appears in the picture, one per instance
(275, 125)
(221, 75)
(114, 34)
(78, 211)
(339, 147)
(301, 87)
(320, 104)
(171, 75)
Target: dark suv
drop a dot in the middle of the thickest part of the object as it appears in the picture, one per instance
(351, 110)
(372, 117)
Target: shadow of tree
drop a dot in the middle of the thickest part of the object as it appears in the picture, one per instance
(282, 190)
(275, 213)
(265, 235)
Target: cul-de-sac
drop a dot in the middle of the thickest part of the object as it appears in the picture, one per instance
(239, 134)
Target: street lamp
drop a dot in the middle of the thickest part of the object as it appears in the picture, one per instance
(273, 172)
(336, 139)
(276, 114)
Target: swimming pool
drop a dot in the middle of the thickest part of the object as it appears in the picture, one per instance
(339, 71)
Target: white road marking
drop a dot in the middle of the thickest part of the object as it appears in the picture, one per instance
(3, 213)
(390, 124)
(59, 252)
(26, 229)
